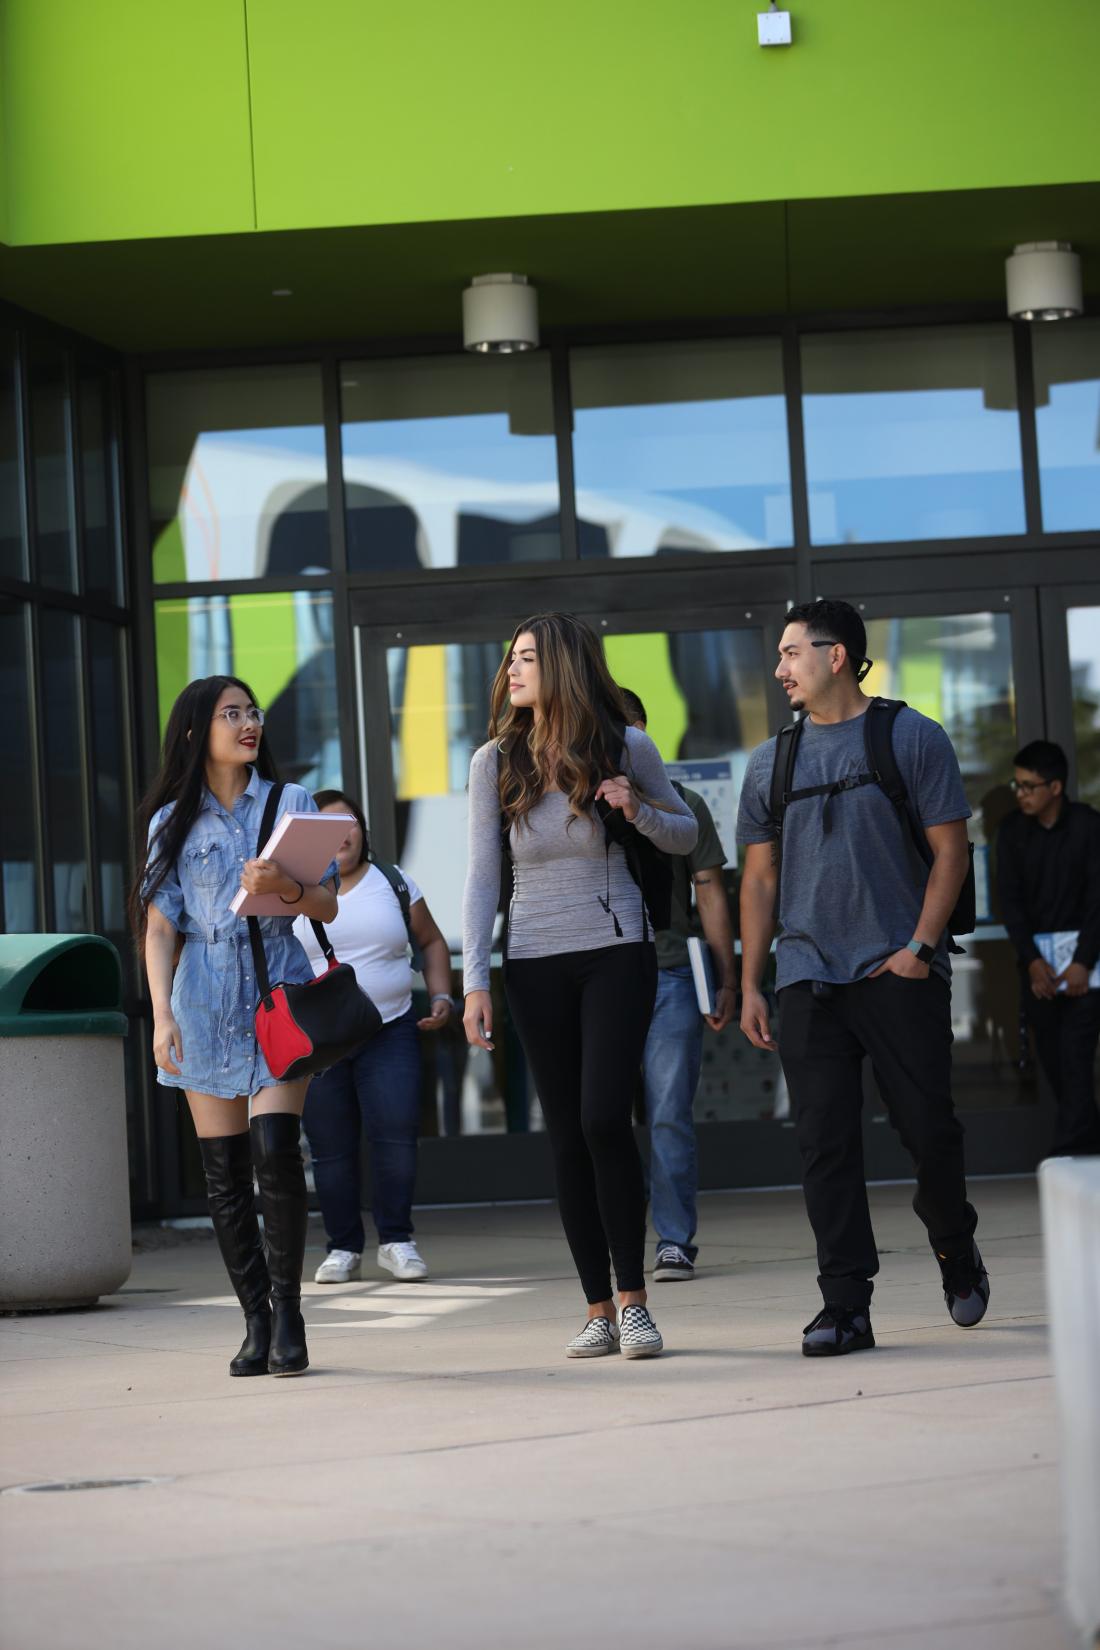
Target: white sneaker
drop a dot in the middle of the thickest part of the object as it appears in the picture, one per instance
(403, 1260)
(338, 1266)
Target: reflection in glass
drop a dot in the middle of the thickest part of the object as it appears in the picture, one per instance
(1067, 417)
(109, 779)
(48, 395)
(281, 645)
(59, 645)
(912, 434)
(957, 669)
(18, 853)
(99, 516)
(681, 447)
(13, 556)
(237, 477)
(449, 461)
(1083, 628)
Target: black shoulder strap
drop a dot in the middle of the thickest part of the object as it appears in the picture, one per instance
(396, 880)
(878, 744)
(786, 750)
(255, 939)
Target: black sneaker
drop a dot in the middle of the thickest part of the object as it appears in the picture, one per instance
(672, 1263)
(965, 1286)
(837, 1329)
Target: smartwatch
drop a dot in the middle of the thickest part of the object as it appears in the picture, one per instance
(924, 953)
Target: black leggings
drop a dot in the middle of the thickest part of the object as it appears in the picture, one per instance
(582, 1019)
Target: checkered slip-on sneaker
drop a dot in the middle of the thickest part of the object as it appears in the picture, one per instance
(639, 1336)
(598, 1337)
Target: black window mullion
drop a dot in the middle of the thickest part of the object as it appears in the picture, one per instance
(74, 470)
(334, 463)
(88, 768)
(563, 438)
(1029, 439)
(38, 760)
(796, 448)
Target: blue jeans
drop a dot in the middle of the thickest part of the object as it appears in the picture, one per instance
(670, 1065)
(376, 1091)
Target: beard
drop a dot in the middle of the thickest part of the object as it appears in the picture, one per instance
(795, 701)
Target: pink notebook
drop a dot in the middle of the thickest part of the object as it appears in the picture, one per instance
(302, 845)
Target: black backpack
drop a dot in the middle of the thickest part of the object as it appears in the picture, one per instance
(878, 744)
(401, 889)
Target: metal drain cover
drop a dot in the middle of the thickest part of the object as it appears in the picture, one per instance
(60, 1485)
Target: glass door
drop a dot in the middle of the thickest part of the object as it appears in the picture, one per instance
(706, 680)
(970, 662)
(1071, 668)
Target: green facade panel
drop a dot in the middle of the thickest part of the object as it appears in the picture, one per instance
(125, 119)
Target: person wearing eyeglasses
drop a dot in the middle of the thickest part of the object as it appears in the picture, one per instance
(862, 967)
(198, 842)
(1048, 879)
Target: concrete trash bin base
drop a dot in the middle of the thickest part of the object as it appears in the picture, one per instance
(64, 1171)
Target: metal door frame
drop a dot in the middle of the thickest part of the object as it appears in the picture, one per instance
(1054, 605)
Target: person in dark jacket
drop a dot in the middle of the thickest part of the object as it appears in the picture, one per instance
(1048, 878)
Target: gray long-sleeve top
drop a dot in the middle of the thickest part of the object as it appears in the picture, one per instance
(563, 868)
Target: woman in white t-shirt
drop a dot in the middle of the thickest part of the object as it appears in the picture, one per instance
(377, 1091)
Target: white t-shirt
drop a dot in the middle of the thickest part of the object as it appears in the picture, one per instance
(369, 933)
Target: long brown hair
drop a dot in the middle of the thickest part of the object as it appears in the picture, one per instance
(579, 739)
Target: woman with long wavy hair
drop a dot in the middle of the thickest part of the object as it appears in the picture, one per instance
(198, 830)
(580, 969)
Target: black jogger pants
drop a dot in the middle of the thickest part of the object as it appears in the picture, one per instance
(904, 1026)
(582, 1018)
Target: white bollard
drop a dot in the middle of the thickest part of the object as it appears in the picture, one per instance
(1070, 1195)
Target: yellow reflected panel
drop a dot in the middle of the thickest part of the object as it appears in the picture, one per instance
(424, 766)
(642, 663)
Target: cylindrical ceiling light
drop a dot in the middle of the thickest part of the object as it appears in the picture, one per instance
(1044, 282)
(500, 315)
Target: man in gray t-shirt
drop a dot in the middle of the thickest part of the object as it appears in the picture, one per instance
(861, 964)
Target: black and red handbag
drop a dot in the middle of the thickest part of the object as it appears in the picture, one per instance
(303, 1029)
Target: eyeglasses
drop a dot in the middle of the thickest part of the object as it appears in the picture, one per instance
(1024, 787)
(235, 716)
(865, 664)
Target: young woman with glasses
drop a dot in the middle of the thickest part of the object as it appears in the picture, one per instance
(580, 970)
(198, 843)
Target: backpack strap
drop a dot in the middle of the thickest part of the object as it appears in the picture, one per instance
(255, 938)
(396, 880)
(878, 744)
(786, 750)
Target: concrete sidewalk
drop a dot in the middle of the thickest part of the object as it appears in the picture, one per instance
(444, 1478)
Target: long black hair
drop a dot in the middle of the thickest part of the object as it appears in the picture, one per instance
(181, 780)
(325, 799)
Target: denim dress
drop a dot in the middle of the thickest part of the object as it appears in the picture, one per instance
(214, 994)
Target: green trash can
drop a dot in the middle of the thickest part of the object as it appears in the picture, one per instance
(64, 1175)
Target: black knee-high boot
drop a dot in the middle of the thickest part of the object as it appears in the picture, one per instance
(227, 1160)
(282, 1181)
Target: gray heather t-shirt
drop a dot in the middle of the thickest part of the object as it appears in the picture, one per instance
(851, 896)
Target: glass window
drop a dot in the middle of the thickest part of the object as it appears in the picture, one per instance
(449, 461)
(1067, 415)
(109, 777)
(681, 447)
(1083, 627)
(59, 645)
(50, 423)
(957, 669)
(18, 852)
(237, 477)
(102, 564)
(281, 645)
(912, 434)
(13, 554)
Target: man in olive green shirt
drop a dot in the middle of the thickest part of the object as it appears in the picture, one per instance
(674, 1047)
